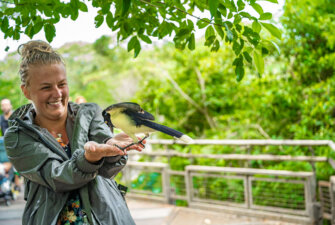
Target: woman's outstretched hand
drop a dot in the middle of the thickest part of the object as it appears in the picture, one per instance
(95, 151)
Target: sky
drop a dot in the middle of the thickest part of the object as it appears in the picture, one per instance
(83, 29)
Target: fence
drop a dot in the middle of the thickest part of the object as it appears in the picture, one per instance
(277, 194)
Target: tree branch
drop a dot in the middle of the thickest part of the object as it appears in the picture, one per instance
(210, 120)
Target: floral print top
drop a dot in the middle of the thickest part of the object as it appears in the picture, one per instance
(72, 213)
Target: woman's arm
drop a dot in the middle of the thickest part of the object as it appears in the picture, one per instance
(33, 160)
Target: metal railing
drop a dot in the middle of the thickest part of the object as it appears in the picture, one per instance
(286, 195)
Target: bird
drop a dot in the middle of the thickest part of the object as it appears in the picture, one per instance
(132, 119)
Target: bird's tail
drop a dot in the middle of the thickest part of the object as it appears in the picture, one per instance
(167, 130)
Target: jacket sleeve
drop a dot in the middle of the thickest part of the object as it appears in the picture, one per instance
(34, 161)
(100, 132)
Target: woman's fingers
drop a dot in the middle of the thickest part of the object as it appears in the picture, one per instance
(94, 151)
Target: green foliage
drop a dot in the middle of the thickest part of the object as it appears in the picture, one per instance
(309, 46)
(144, 20)
(149, 181)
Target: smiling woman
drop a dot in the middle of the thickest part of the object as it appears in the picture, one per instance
(65, 151)
(47, 88)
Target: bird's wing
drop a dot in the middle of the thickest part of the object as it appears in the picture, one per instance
(138, 115)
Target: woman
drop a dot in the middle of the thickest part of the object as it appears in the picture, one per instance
(65, 152)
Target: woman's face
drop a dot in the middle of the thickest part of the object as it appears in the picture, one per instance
(48, 90)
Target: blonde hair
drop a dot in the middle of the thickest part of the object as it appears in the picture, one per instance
(36, 53)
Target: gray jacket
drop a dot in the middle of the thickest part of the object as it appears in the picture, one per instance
(50, 174)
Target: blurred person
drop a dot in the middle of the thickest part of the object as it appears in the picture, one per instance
(64, 150)
(80, 99)
(7, 109)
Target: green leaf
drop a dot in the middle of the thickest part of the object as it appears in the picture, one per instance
(125, 6)
(16, 35)
(223, 10)
(7, 48)
(82, 7)
(110, 20)
(256, 26)
(164, 29)
(29, 31)
(219, 31)
(37, 27)
(209, 32)
(98, 20)
(210, 41)
(239, 68)
(272, 29)
(273, 1)
(183, 33)
(137, 49)
(47, 12)
(105, 7)
(134, 44)
(237, 19)
(74, 11)
(239, 71)
(66, 11)
(230, 35)
(276, 46)
(5, 24)
(266, 16)
(237, 47)
(230, 15)
(203, 23)
(246, 15)
(191, 42)
(213, 7)
(247, 56)
(50, 31)
(9, 32)
(216, 46)
(145, 38)
(258, 8)
(271, 45)
(230, 4)
(25, 20)
(259, 62)
(240, 5)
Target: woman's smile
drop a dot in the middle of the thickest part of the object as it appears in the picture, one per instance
(49, 92)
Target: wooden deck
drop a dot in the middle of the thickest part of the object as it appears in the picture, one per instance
(153, 213)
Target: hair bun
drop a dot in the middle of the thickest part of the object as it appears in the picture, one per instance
(36, 53)
(32, 47)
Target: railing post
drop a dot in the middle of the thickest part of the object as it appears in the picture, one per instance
(188, 184)
(332, 199)
(313, 207)
(248, 191)
(166, 184)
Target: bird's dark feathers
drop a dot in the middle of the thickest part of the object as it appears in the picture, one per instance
(138, 116)
(132, 109)
(128, 105)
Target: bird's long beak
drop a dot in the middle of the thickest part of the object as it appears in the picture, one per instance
(107, 120)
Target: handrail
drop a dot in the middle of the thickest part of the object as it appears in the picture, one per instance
(265, 157)
(247, 142)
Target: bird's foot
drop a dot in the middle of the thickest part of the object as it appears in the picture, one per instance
(141, 141)
(123, 148)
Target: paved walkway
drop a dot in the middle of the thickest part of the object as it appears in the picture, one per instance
(153, 213)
